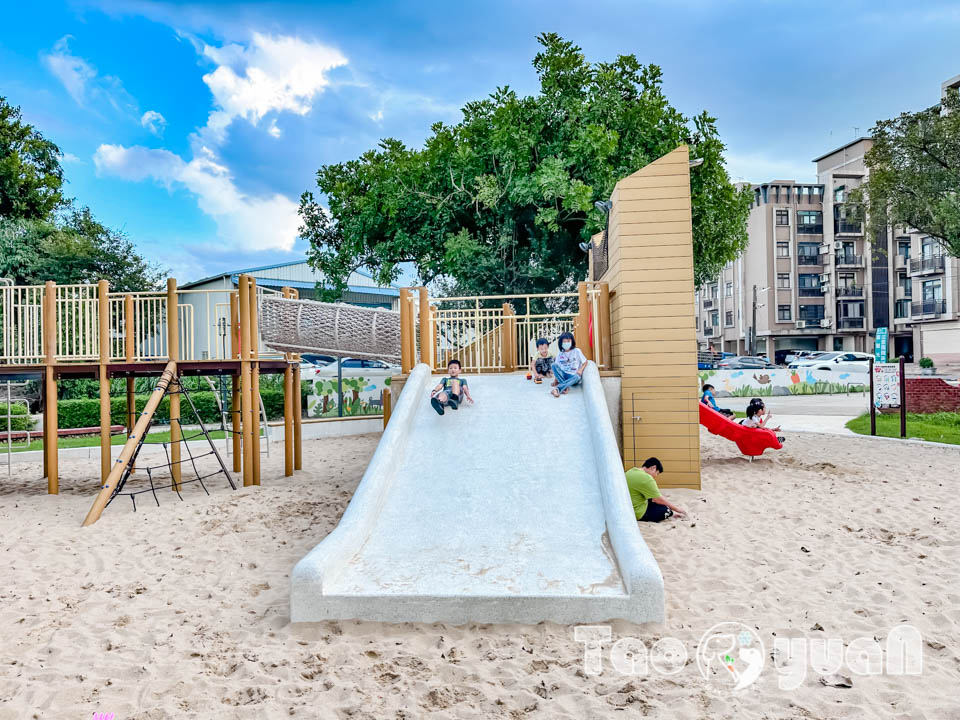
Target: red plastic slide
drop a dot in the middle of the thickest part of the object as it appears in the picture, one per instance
(750, 441)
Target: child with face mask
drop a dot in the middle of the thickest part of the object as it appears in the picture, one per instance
(569, 366)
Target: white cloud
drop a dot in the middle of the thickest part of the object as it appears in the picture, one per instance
(251, 223)
(154, 122)
(273, 129)
(70, 158)
(377, 117)
(272, 74)
(81, 80)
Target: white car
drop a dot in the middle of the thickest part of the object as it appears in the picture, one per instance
(841, 361)
(355, 367)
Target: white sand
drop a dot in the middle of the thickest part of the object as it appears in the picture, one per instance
(181, 611)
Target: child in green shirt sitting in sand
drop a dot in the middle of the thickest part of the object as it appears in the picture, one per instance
(648, 504)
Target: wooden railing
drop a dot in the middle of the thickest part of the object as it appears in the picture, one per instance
(203, 324)
(498, 333)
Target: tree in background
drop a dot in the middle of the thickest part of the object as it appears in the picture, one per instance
(500, 201)
(30, 174)
(914, 178)
(44, 237)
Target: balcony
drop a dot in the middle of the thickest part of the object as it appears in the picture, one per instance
(810, 229)
(925, 265)
(708, 330)
(928, 309)
(850, 291)
(848, 260)
(809, 260)
(707, 304)
(847, 228)
(810, 292)
(850, 323)
(901, 262)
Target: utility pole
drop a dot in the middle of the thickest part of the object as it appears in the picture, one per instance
(753, 325)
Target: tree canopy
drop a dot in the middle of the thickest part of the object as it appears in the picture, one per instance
(500, 201)
(45, 237)
(914, 175)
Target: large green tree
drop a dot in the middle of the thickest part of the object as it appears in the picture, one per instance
(45, 237)
(30, 173)
(500, 201)
(914, 175)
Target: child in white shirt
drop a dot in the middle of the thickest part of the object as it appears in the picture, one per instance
(569, 366)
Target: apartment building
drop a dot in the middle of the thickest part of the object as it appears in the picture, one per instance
(814, 280)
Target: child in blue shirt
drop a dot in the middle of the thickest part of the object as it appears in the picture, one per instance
(711, 402)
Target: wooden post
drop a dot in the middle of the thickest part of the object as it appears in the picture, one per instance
(583, 325)
(235, 423)
(246, 427)
(103, 315)
(426, 328)
(603, 310)
(387, 406)
(255, 378)
(506, 342)
(173, 354)
(406, 332)
(169, 376)
(297, 407)
(288, 409)
(129, 352)
(50, 424)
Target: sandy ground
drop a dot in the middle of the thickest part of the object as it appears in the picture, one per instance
(182, 610)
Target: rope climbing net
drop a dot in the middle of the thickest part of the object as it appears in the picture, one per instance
(329, 328)
(171, 386)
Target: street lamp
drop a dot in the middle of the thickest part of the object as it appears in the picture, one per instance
(753, 327)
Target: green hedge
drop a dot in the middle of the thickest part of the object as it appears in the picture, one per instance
(85, 412)
(21, 421)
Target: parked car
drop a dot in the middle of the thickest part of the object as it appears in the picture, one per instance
(841, 361)
(319, 360)
(354, 367)
(796, 355)
(745, 363)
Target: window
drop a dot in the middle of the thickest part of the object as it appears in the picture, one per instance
(928, 247)
(728, 318)
(808, 253)
(783, 313)
(838, 343)
(810, 312)
(352, 363)
(901, 309)
(809, 280)
(696, 323)
(903, 248)
(715, 318)
(783, 249)
(783, 217)
(845, 280)
(728, 290)
(903, 281)
(851, 309)
(933, 290)
(783, 281)
(838, 194)
(713, 291)
(809, 221)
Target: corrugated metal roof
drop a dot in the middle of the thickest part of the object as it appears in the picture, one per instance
(297, 271)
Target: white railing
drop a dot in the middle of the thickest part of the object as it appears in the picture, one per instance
(21, 315)
(78, 322)
(471, 336)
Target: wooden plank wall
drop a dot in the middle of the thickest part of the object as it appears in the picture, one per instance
(652, 317)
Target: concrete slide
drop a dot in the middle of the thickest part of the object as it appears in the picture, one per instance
(511, 510)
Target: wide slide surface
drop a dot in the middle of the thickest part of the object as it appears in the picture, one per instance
(495, 512)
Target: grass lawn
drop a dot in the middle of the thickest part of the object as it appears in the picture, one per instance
(939, 427)
(94, 440)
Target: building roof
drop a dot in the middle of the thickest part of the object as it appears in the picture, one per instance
(842, 147)
(391, 289)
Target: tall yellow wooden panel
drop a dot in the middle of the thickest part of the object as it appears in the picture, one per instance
(653, 338)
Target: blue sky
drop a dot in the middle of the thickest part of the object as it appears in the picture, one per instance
(194, 127)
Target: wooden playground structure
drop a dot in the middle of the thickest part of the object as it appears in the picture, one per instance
(57, 332)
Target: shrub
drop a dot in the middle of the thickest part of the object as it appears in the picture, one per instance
(926, 362)
(21, 419)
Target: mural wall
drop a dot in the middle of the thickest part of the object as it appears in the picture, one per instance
(781, 381)
(362, 395)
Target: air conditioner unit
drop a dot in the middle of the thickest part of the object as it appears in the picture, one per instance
(823, 249)
(824, 278)
(826, 322)
(801, 324)
(837, 245)
(824, 288)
